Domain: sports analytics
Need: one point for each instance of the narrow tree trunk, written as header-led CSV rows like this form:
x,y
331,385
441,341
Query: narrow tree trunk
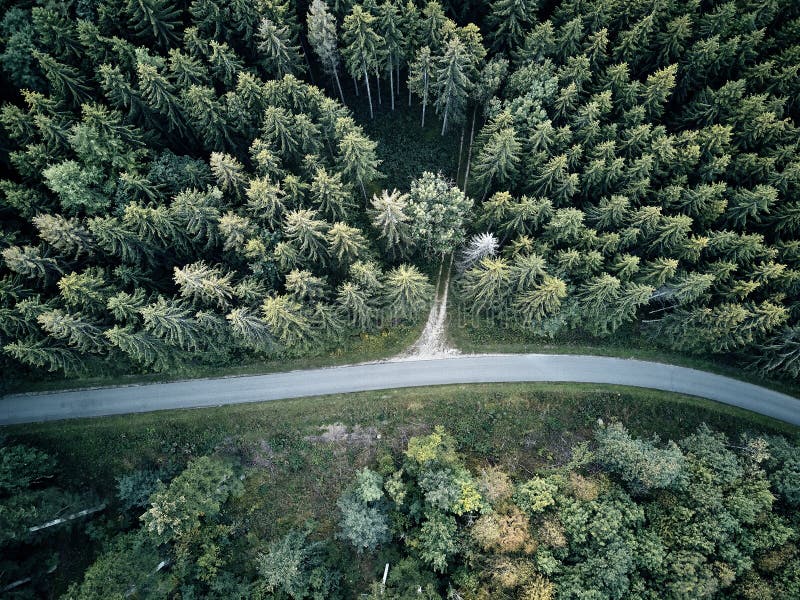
x,y
355,85
469,152
391,83
68,518
378,83
424,99
460,150
338,85
398,77
363,191
369,95
444,119
308,63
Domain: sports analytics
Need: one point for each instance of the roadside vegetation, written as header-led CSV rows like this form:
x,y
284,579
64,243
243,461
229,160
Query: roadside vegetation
x,y
297,458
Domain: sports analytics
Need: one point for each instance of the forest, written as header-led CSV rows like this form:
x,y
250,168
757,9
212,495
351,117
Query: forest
x,y
202,184
178,192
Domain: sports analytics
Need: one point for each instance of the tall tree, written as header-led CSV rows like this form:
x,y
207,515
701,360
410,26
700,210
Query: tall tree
x,y
362,45
324,40
420,73
452,83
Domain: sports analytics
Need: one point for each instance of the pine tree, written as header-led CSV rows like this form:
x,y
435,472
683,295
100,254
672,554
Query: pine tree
x,y
236,231
389,22
141,347
452,83
407,292
207,117
302,228
323,39
228,172
29,261
203,284
331,196
249,328
304,285
358,160
498,159
362,44
487,286
172,322
154,20
266,201
508,20
73,329
87,290
346,243
420,72
542,301
388,215
68,236
280,56
38,353
356,306
225,63
287,321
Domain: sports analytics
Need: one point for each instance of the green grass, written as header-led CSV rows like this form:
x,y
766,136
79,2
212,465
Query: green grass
x,y
355,349
406,148
291,477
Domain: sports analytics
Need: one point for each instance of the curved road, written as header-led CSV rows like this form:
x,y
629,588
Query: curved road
x,y
24,408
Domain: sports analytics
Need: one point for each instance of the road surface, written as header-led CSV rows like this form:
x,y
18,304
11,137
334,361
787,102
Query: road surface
x,y
24,408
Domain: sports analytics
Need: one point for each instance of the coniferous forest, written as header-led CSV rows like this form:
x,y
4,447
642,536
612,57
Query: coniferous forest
x,y
192,184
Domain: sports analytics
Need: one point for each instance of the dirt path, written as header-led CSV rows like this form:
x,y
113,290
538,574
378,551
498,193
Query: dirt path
x,y
433,343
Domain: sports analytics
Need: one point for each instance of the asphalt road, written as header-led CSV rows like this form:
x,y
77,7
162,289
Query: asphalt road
x,y
25,408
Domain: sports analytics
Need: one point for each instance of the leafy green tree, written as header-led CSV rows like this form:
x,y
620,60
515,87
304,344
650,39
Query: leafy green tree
x,y
363,524
293,568
436,210
641,464
177,510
